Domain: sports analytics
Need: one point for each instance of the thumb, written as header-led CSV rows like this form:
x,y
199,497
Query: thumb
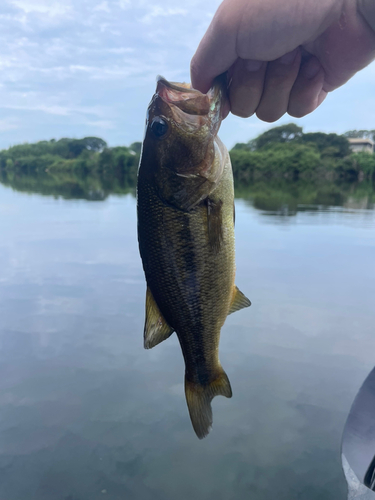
x,y
216,52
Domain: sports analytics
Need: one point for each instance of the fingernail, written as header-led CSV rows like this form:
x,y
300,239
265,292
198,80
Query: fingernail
x,y
288,58
312,68
252,65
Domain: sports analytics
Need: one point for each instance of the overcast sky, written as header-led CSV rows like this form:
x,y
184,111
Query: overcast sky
x,y
88,67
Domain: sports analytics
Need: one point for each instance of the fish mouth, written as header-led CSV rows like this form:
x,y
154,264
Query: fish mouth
x,y
190,106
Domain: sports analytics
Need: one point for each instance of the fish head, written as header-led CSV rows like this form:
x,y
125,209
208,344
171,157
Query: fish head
x,y
181,151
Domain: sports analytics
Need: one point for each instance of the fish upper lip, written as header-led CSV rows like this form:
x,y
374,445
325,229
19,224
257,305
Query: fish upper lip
x,y
175,86
216,94
218,84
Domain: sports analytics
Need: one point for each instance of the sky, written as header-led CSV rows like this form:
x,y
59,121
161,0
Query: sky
x,y
88,68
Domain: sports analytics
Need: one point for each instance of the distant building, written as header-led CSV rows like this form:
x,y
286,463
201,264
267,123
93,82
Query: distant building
x,y
357,145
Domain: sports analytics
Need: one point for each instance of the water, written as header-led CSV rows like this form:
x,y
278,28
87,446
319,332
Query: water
x,y
87,413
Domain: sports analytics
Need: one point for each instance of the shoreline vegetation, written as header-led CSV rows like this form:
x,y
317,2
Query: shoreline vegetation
x,y
281,167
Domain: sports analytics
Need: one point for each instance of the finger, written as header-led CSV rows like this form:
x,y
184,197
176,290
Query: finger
x,y
209,61
246,87
307,92
225,110
280,77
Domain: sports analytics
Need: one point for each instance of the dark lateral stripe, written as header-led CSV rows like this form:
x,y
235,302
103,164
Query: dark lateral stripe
x,y
192,343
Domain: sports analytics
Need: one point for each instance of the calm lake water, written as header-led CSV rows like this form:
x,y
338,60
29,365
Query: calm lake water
x,y
87,413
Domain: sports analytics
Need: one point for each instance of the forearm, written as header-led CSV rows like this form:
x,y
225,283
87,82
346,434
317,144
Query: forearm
x,y
367,9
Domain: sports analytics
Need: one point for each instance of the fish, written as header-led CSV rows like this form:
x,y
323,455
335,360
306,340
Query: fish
x,y
185,209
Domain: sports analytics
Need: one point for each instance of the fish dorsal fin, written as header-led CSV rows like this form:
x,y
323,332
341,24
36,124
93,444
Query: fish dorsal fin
x,y
156,328
239,301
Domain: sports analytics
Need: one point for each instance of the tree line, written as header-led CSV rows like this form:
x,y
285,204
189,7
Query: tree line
x,y
287,152
89,166
73,168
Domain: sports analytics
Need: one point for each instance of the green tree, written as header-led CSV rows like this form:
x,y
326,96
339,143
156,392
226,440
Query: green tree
x,y
283,133
94,144
136,147
328,144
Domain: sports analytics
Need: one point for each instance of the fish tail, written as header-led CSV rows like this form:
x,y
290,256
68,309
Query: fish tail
x,y
199,397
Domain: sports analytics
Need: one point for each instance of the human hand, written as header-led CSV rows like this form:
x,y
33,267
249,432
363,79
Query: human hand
x,y
284,56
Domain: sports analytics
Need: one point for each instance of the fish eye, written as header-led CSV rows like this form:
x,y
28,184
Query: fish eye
x,y
159,126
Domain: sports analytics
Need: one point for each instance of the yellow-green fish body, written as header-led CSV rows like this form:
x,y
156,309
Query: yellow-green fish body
x,y
186,237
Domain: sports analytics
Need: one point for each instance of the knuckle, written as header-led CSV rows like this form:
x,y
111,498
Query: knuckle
x,y
280,83
241,106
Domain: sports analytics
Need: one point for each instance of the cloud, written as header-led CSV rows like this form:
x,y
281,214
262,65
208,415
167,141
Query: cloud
x,y
51,8
101,124
53,110
127,69
58,110
158,11
8,124
120,50
124,4
102,7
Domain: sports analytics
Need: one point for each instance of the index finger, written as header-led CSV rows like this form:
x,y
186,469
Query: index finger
x,y
216,52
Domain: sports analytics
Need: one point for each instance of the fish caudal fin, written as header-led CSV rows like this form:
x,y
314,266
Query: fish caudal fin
x,y
199,397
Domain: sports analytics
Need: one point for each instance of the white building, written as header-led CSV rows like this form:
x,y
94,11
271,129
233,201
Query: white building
x,y
357,145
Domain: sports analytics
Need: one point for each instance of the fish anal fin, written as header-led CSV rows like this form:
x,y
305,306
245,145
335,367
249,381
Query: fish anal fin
x,y
199,397
156,328
214,224
239,301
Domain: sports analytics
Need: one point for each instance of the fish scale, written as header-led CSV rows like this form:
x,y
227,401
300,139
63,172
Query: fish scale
x,y
181,271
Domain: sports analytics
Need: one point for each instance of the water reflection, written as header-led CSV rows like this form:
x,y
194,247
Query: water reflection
x,y
280,197
69,185
287,198
87,413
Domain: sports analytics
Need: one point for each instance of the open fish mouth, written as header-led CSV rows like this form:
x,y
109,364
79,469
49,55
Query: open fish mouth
x,y
188,104
192,101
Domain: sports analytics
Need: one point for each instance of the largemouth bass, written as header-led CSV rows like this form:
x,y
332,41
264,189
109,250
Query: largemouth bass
x,y
186,236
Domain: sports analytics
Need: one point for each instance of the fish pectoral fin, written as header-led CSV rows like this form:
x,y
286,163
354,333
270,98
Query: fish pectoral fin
x,y
239,301
215,224
156,328
192,193
199,397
